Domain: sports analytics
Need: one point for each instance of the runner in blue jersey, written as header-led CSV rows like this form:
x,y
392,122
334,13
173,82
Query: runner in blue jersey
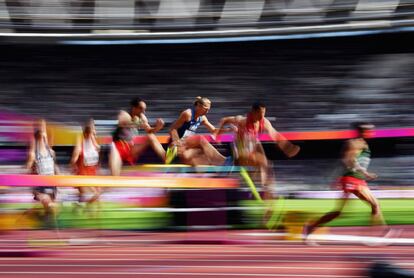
x,y
191,148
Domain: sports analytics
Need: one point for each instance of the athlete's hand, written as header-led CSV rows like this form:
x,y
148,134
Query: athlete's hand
x,y
233,128
371,176
291,150
159,124
216,136
176,143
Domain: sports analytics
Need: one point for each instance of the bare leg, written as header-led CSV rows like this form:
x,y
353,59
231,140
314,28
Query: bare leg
x,y
96,196
263,165
259,160
156,146
152,142
193,157
50,209
82,191
215,157
138,149
46,202
376,214
211,153
95,191
377,219
115,161
330,215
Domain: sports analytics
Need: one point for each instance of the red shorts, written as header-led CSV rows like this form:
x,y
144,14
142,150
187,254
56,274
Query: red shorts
x,y
351,184
86,170
125,151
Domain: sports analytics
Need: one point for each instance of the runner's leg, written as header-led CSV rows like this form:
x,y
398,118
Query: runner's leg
x,y
328,217
156,146
213,156
115,161
366,195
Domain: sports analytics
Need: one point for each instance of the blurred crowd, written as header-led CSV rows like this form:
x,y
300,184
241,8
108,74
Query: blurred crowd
x,y
304,89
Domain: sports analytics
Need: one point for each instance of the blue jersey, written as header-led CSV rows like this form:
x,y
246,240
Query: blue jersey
x,y
189,128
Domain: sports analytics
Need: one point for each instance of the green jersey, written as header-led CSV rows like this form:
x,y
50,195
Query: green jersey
x,y
363,159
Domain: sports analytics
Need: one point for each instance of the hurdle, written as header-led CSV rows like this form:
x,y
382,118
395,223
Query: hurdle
x,y
163,181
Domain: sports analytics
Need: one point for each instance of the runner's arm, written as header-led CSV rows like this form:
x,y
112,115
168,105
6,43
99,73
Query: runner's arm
x,y
30,157
232,120
125,120
211,128
159,124
289,149
350,159
76,152
184,117
94,141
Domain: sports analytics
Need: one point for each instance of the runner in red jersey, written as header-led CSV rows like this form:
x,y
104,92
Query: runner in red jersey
x,y
85,160
123,148
247,149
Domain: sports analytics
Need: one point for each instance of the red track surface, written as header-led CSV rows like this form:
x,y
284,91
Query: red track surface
x,y
223,254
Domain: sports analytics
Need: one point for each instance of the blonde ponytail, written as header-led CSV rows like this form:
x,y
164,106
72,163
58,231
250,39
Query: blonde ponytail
x,y
202,100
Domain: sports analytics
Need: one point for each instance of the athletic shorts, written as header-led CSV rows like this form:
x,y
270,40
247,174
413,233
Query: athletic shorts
x,y
125,151
351,184
87,170
49,190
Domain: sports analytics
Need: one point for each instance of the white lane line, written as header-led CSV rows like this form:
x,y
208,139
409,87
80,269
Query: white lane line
x,y
182,266
298,245
363,239
172,273
237,242
228,254
403,262
310,256
246,249
344,238
157,255
89,240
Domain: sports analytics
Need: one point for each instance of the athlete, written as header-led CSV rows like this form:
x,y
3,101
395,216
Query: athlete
x,y
41,161
85,160
247,149
191,148
123,148
356,158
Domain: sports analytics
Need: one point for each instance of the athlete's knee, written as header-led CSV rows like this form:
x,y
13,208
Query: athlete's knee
x,y
45,200
375,208
151,137
202,141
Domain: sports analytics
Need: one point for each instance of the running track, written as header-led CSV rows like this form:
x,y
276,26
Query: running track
x,y
188,254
